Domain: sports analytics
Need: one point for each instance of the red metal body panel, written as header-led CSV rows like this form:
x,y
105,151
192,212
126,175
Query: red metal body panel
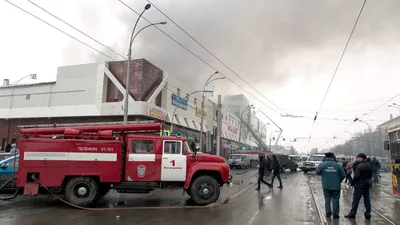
x,y
153,168
79,160
95,128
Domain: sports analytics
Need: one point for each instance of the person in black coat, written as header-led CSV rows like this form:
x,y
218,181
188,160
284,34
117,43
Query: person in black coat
x,y
276,169
362,184
261,172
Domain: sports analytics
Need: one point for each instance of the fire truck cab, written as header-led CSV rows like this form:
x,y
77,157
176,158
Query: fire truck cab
x,y
85,162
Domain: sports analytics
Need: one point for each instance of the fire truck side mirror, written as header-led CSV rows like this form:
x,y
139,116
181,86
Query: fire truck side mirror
x,y
386,145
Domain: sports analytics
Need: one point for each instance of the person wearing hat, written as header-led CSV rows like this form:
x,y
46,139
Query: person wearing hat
x,y
332,176
361,183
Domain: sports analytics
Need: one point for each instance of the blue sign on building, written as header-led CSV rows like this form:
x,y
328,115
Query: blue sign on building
x,y
179,101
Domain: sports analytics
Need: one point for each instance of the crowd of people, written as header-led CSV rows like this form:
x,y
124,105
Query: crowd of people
x,y
366,172
360,175
269,165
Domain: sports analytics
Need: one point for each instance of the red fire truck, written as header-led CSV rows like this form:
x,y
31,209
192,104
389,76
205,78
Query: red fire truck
x,y
85,162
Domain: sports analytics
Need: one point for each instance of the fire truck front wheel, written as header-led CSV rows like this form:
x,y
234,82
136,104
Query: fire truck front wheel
x,y
205,190
82,191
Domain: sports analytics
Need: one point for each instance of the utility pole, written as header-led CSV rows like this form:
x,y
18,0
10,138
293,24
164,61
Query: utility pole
x,y
219,125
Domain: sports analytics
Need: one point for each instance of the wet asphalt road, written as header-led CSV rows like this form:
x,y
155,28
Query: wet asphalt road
x,y
291,205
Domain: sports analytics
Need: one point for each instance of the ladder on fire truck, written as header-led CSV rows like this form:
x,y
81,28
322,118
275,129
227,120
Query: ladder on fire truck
x,y
259,140
83,124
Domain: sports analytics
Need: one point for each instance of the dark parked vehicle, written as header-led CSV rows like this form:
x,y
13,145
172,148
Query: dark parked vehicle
x,y
287,163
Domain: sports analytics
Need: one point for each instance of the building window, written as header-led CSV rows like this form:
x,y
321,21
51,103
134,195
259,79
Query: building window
x,y
28,97
178,92
142,146
172,147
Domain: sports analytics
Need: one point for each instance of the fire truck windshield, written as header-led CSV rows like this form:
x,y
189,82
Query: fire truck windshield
x,y
186,147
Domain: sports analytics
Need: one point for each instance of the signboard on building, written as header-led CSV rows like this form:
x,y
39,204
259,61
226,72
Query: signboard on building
x,y
232,129
157,112
198,112
179,101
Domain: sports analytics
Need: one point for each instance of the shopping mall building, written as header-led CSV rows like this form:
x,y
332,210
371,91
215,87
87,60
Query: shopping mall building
x,y
95,93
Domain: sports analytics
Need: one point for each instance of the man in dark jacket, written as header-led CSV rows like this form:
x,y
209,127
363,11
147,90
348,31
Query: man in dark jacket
x,y
276,170
361,183
332,176
376,166
261,172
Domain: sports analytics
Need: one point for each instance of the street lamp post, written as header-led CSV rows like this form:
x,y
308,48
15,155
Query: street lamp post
x,y
339,139
176,107
209,80
280,129
240,124
270,138
370,133
266,130
32,76
394,105
128,79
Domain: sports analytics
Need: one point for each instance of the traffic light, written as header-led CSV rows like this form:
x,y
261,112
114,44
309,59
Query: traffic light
x,y
295,140
243,147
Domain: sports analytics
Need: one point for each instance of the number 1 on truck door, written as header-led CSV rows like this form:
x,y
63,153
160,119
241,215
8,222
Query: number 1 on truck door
x,y
173,163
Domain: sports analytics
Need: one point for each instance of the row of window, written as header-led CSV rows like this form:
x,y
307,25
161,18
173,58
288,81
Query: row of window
x,y
143,147
230,121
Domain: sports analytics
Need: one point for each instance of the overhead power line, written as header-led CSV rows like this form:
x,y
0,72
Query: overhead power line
x,y
374,109
341,57
195,55
339,63
215,57
51,25
112,50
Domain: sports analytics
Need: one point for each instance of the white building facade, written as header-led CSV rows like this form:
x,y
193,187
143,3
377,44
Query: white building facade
x,y
94,93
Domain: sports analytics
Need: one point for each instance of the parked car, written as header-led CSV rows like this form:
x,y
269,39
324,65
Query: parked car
x,y
287,163
239,161
312,163
8,168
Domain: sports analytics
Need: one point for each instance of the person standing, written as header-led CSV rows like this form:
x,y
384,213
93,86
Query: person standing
x,y
261,173
276,170
361,183
332,176
348,171
375,169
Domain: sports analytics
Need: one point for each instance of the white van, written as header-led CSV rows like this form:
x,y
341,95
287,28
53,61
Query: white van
x,y
239,161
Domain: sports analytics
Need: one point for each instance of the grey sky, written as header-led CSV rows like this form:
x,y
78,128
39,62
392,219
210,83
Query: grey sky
x,y
287,49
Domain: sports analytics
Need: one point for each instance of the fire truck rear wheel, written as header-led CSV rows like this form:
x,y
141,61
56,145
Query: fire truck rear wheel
x,y
205,190
82,191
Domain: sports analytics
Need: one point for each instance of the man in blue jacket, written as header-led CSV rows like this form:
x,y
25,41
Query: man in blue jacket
x,y
332,176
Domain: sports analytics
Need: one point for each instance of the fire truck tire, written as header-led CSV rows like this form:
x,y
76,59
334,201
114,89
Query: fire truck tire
x,y
82,191
205,190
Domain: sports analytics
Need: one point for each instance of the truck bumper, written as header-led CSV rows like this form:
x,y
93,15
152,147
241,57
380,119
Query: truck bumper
x,y
230,181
